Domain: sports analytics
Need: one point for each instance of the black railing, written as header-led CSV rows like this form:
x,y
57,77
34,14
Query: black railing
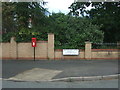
x,y
104,46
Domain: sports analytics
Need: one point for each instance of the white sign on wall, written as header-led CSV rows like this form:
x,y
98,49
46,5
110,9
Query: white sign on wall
x,y
70,51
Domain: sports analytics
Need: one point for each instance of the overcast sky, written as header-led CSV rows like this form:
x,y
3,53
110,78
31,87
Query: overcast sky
x,y
59,5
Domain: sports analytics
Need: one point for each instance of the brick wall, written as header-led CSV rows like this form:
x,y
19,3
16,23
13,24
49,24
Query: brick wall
x,y
45,50
105,53
59,55
95,54
5,49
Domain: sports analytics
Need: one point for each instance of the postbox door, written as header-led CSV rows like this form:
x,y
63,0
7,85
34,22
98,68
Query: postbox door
x,y
33,42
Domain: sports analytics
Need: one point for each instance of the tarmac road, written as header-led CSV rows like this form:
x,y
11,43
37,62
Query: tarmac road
x,y
69,68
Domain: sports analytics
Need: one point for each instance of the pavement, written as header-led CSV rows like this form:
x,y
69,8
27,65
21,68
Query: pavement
x,y
59,70
106,84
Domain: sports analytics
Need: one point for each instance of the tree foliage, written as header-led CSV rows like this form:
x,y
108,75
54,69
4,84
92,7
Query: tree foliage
x,y
7,16
17,16
71,31
105,14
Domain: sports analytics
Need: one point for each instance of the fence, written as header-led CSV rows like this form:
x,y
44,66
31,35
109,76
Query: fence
x,y
105,45
45,50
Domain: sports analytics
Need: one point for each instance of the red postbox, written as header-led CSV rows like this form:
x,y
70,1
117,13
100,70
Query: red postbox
x,y
33,42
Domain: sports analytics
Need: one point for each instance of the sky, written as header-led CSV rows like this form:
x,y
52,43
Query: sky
x,y
59,5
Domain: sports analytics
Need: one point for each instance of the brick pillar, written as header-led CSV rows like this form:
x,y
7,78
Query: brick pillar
x,y
50,46
13,48
88,52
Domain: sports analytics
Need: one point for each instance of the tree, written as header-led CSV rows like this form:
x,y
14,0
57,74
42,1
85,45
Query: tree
x,y
105,14
71,31
8,17
17,16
